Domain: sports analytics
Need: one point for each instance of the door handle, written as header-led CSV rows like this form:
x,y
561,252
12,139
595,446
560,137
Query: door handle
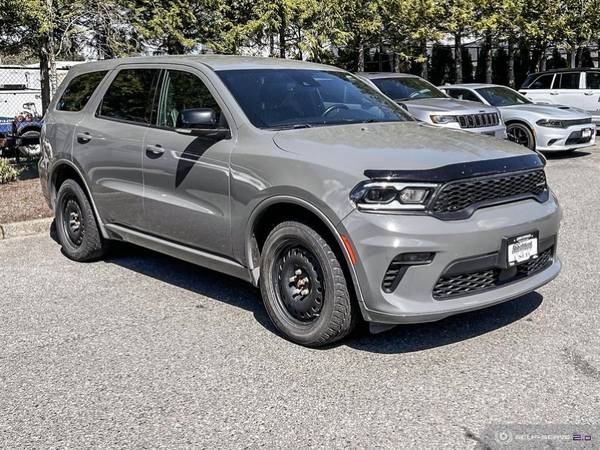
x,y
588,93
553,93
84,138
154,151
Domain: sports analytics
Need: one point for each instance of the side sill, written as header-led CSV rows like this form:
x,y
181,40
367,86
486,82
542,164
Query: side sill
x,y
179,251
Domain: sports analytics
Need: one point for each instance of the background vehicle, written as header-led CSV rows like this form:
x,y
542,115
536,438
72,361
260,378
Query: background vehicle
x,y
21,134
578,88
538,127
428,104
301,179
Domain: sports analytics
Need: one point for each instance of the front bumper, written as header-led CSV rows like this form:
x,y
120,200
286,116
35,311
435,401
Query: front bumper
x,y
560,139
378,238
498,131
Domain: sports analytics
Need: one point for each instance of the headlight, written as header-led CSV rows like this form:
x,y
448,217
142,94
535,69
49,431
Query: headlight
x,y
443,119
551,123
392,196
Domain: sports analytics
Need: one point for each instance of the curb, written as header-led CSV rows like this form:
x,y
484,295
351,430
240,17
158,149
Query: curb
x,y
27,228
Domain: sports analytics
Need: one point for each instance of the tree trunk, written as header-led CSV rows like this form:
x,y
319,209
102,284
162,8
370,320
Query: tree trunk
x,y
424,68
543,60
511,64
271,45
396,62
44,75
360,63
282,31
571,57
578,57
488,58
458,57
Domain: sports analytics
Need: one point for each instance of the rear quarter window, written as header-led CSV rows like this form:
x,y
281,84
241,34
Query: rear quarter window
x,y
79,90
542,82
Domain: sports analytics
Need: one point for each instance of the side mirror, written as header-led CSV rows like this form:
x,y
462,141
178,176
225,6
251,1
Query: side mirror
x,y
200,122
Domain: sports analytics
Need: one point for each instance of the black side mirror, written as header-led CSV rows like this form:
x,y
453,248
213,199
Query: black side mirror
x,y
200,122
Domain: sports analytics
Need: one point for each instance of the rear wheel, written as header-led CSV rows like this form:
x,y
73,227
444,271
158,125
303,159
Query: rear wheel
x,y
521,134
303,286
76,225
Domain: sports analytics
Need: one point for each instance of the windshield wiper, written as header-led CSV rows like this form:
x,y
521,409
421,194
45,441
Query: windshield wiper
x,y
295,126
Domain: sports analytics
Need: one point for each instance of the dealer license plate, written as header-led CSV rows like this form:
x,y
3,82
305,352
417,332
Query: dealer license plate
x,y
522,248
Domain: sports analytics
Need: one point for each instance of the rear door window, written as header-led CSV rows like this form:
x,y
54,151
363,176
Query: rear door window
x,y
130,96
79,90
542,82
569,80
592,80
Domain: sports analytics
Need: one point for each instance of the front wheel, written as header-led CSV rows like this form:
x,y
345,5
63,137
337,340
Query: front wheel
x,y
521,134
303,286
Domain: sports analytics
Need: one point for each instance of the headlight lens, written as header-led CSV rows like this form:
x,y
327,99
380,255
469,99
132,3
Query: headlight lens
x,y
392,196
443,119
551,123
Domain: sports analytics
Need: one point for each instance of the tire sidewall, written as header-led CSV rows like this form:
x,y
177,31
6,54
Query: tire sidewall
x,y
90,245
303,236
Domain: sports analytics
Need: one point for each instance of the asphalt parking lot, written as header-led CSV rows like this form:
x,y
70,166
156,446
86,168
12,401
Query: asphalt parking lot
x,y
141,350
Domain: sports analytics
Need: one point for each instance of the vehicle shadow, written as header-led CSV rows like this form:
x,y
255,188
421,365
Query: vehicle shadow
x,y
191,277
566,155
238,293
414,338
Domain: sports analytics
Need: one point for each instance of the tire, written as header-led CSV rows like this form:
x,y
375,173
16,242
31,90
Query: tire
x,y
521,134
30,150
303,286
76,226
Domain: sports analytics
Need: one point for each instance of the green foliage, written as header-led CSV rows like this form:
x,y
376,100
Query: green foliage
x,y
7,172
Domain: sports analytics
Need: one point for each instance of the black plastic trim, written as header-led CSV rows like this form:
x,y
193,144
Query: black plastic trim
x,y
459,171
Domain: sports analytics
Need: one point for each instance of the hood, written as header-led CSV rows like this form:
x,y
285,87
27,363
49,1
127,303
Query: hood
x,y
449,105
393,145
549,110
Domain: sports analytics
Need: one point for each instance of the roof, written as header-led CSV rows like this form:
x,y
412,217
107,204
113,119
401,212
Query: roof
x,y
574,69
470,85
214,62
375,75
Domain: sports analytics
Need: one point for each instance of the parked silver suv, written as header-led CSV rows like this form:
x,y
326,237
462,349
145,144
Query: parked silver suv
x,y
300,179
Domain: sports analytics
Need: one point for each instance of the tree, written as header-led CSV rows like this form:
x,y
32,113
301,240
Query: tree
x,y
459,21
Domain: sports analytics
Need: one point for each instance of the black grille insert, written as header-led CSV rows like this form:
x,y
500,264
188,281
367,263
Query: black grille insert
x,y
460,195
475,282
478,120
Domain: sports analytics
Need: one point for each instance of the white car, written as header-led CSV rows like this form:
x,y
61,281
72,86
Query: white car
x,y
541,127
579,88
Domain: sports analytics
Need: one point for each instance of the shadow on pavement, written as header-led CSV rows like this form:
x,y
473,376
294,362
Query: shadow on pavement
x,y
566,155
413,338
194,278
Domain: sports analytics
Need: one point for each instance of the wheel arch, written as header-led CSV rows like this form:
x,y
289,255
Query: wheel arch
x,y
281,208
530,127
27,128
63,170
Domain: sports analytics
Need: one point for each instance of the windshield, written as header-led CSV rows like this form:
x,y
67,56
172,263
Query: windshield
x,y
502,96
401,89
297,98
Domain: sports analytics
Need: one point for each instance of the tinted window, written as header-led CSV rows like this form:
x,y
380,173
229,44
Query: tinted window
x,y
79,91
502,96
183,90
542,82
567,81
130,95
289,98
463,94
592,80
407,88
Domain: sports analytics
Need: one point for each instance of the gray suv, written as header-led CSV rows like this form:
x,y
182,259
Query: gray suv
x,y
298,178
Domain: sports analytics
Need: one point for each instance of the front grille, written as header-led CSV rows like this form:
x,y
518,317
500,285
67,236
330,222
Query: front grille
x,y
478,120
476,282
460,195
570,123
